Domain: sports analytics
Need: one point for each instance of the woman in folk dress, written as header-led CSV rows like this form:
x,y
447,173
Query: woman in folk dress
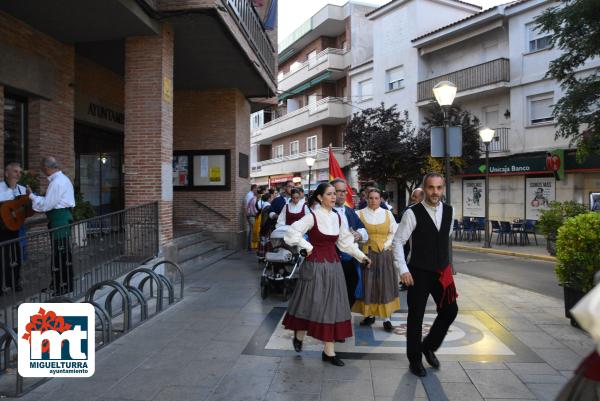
x,y
294,210
319,305
380,280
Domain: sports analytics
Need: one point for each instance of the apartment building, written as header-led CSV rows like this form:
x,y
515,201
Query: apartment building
x,y
499,61
139,101
314,98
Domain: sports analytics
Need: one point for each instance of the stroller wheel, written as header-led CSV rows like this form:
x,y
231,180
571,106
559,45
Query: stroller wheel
x,y
264,288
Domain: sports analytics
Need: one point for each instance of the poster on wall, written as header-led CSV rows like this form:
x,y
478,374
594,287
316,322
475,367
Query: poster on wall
x,y
209,170
474,198
595,201
539,192
180,170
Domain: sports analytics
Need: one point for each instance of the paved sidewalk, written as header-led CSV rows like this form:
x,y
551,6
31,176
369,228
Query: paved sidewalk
x,y
214,346
530,251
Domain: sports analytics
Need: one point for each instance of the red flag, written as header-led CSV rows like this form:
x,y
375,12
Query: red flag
x,y
335,171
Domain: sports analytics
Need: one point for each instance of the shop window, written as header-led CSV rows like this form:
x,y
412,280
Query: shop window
x,y
15,130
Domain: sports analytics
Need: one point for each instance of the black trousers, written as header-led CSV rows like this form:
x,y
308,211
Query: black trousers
x,y
426,283
10,274
351,280
62,265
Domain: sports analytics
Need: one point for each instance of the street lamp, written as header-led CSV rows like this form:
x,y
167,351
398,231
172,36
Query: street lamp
x,y
487,135
310,161
444,93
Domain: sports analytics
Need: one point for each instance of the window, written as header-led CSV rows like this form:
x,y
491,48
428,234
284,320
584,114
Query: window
x,y
490,116
312,99
537,40
277,152
394,78
540,108
257,120
294,148
365,89
311,144
15,130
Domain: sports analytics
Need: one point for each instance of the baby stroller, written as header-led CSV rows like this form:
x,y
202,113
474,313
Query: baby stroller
x,y
281,266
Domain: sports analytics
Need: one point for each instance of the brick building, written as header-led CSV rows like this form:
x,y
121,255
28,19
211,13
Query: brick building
x,y
140,101
314,100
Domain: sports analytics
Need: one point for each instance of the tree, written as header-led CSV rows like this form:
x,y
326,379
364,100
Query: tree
x,y
574,27
384,145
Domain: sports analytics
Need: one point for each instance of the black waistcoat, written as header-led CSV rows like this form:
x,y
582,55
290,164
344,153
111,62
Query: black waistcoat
x,y
430,246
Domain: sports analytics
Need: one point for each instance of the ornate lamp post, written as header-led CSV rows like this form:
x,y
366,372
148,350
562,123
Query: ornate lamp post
x,y
487,135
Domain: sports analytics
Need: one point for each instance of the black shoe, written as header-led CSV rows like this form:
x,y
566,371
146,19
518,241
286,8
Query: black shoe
x,y
334,360
387,326
431,359
297,343
368,321
417,369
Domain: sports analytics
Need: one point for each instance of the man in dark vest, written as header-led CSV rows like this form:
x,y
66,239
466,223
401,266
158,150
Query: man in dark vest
x,y
429,223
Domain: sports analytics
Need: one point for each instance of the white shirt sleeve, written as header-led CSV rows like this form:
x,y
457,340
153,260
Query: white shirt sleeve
x,y
405,229
345,243
295,233
281,218
392,231
364,235
50,201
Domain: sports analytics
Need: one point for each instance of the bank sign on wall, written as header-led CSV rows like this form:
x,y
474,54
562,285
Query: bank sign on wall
x,y
474,198
539,192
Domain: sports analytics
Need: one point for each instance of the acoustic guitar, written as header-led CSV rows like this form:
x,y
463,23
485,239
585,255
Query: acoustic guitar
x,y
14,212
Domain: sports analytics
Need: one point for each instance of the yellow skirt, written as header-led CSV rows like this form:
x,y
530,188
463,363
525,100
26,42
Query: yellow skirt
x,y
256,231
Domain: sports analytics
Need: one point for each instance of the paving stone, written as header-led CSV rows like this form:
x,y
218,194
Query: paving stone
x,y
458,392
561,359
242,388
540,379
183,393
498,383
450,372
296,383
545,392
256,365
355,369
483,365
517,323
347,390
399,384
520,368
274,396
537,339
141,384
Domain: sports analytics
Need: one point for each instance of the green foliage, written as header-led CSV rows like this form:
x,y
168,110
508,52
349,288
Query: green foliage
x,y
384,145
553,218
83,209
30,178
575,29
578,251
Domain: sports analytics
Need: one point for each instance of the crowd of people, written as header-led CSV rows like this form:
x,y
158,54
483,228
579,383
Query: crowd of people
x,y
357,258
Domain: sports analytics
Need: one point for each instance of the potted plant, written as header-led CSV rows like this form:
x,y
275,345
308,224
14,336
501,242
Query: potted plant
x,y
552,219
83,210
578,255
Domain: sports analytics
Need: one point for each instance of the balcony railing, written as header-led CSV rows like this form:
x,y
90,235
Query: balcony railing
x,y
500,142
318,154
312,62
469,78
252,26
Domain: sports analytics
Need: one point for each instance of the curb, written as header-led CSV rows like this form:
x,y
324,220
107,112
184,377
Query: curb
x,y
545,258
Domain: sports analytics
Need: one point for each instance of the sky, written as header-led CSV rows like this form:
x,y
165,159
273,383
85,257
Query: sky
x,y
292,13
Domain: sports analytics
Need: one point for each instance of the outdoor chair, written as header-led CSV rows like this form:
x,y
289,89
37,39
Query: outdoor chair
x,y
468,229
495,230
479,226
507,235
529,228
457,229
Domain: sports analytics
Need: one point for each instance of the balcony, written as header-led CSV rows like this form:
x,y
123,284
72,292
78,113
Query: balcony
x,y
297,163
328,111
250,23
500,142
481,77
334,61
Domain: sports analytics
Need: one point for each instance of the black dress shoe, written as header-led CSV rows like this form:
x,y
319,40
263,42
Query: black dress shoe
x,y
387,326
417,369
368,321
297,343
431,359
334,360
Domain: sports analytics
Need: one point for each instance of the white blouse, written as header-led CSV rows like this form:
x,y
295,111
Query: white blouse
x,y
292,208
377,216
329,224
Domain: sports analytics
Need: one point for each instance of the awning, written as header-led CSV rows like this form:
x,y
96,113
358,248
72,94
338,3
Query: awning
x,y
303,87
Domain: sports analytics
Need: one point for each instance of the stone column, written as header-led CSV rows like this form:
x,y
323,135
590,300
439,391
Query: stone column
x,y
149,125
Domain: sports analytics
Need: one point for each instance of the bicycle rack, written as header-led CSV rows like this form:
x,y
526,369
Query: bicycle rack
x,y
126,305
105,322
150,275
8,337
177,269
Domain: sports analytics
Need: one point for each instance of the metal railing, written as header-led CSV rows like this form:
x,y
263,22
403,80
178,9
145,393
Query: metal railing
x,y
312,62
66,262
250,23
500,142
469,78
318,154
311,108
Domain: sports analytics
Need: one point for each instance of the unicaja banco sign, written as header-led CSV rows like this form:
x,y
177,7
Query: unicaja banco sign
x,y
56,340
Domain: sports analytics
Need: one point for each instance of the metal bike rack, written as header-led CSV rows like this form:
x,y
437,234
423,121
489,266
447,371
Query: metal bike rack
x,y
151,275
105,322
126,305
141,301
8,337
177,269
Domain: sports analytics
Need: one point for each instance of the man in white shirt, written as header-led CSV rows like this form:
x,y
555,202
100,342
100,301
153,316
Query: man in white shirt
x,y
250,213
57,204
11,260
429,224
